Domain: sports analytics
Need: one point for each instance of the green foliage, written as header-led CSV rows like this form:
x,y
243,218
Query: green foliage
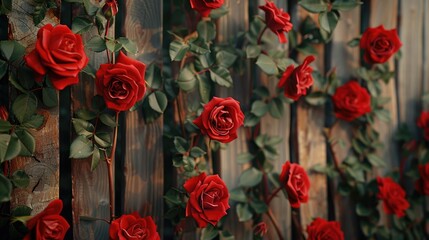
x,y
5,188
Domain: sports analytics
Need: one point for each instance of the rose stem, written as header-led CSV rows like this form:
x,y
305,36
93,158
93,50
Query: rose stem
x,y
110,162
273,195
105,36
261,34
275,224
331,149
297,224
179,111
209,154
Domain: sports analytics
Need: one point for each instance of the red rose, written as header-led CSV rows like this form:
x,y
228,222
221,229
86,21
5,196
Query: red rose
x,y
132,226
393,196
59,53
423,123
121,84
260,229
379,44
422,184
110,8
321,229
204,7
296,81
351,101
220,119
277,20
208,199
4,114
296,181
48,224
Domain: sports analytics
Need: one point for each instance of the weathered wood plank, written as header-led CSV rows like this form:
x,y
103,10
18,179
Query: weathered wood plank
x,y
44,174
144,163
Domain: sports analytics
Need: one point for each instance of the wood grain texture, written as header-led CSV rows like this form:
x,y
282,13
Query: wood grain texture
x,y
89,188
44,174
236,21
312,145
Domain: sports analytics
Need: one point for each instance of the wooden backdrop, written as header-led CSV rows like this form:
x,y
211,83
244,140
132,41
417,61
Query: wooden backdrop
x,y
141,167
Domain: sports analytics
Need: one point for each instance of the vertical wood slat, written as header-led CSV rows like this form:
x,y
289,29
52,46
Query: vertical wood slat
x,y
44,175
345,60
237,20
144,174
90,189
312,146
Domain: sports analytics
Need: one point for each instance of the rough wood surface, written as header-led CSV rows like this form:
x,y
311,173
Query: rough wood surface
x,y
44,175
90,188
143,170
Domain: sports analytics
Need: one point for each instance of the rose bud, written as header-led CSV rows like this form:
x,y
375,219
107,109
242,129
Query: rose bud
x,y
260,229
379,44
110,9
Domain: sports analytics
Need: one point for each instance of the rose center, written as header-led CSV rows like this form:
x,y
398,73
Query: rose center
x,y
136,232
118,89
298,181
68,45
210,199
221,120
52,229
381,45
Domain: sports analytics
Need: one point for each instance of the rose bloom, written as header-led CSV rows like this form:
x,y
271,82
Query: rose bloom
x,y
277,20
59,53
351,101
208,199
4,114
204,7
296,81
220,119
379,44
423,123
297,184
422,184
48,224
393,196
132,226
121,84
321,229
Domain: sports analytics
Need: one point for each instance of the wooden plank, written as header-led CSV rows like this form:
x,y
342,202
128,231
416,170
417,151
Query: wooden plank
x,y
44,174
144,163
345,59
90,189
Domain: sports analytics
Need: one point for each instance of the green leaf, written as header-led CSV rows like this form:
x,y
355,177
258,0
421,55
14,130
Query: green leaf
x,y
345,5
90,8
251,120
261,91
243,212
253,51
197,152
250,177
206,30
354,42
383,115
328,21
113,45
96,44
35,121
187,79
316,98
209,232
50,97
204,88
259,206
153,77
81,148
158,101
81,25
181,144
12,50
225,58
20,179
5,126
5,188
178,50
237,195
246,157
96,156
259,108
5,6
221,76
276,108
219,12
3,68
103,139
13,148
28,143
363,210
21,210
24,107
39,12
128,45
375,160
89,70
267,65
314,6
198,47
86,114
108,120
82,127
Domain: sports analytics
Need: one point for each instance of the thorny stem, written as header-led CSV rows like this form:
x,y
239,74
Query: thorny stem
x,y
275,224
328,135
110,163
298,226
261,34
105,36
209,154
277,190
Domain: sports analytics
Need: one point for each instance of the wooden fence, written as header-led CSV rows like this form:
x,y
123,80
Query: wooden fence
x,y
142,174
